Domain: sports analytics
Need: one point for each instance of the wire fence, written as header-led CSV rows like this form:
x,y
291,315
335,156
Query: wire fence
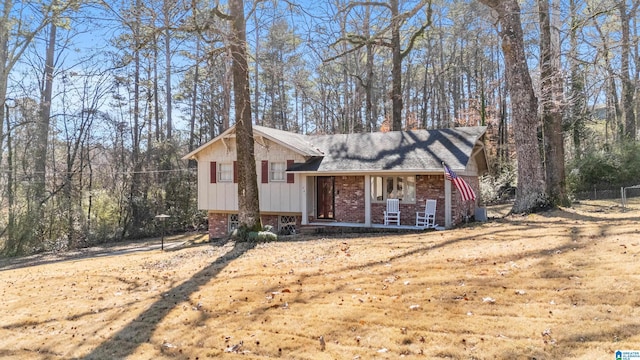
x,y
607,194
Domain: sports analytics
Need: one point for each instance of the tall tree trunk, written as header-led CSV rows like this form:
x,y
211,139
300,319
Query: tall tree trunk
x,y
636,45
551,101
256,73
156,91
614,113
396,71
248,199
5,65
10,243
628,88
167,57
226,91
531,194
11,51
42,126
368,84
194,101
132,226
577,96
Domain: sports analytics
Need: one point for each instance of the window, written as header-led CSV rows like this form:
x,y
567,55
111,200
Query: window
x,y
233,222
287,225
377,193
225,172
393,187
277,171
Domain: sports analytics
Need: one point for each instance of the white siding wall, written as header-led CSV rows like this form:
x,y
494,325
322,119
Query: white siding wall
x,y
279,197
222,196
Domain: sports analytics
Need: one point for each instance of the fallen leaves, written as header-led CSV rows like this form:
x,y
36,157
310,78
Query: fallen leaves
x,y
401,295
235,348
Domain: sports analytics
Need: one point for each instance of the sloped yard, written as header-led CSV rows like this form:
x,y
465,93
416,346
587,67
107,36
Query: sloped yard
x,y
556,285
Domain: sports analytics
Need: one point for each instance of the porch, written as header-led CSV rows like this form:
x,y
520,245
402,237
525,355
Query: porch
x,y
336,226
359,201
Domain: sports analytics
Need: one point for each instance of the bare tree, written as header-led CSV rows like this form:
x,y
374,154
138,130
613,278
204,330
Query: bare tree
x,y
248,200
389,36
628,88
16,35
531,193
551,100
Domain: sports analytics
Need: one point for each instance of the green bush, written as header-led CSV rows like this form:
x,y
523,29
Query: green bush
x,y
242,234
605,168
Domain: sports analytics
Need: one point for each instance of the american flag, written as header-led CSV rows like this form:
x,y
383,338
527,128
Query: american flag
x,y
466,192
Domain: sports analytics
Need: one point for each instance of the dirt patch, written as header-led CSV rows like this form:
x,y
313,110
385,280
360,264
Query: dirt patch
x,y
555,285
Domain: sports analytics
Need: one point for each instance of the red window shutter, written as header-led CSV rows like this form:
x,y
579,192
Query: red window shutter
x,y
265,171
235,171
213,168
290,176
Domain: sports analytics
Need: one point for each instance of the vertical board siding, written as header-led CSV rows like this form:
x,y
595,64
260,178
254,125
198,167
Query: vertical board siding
x,y
282,196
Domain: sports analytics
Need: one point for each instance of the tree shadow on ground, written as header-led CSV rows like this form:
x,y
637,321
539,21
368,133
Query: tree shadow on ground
x,y
103,250
140,330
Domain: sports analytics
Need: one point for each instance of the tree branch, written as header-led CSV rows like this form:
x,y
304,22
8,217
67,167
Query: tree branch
x,y
418,33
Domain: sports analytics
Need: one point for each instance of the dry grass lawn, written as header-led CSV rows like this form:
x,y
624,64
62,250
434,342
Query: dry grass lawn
x,y
555,285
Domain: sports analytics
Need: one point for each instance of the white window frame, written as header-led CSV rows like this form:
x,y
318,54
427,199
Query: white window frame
x,y
386,187
225,172
275,174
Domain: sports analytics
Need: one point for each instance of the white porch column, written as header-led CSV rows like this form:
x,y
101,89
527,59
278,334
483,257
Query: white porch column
x,y
303,200
447,204
367,200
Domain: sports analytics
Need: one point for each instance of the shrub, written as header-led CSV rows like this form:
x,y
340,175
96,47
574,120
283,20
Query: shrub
x,y
243,234
605,168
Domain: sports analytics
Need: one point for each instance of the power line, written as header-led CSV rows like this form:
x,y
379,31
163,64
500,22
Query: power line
x,y
5,171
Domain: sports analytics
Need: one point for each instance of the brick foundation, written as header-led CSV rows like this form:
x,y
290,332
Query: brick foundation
x,y
350,200
219,224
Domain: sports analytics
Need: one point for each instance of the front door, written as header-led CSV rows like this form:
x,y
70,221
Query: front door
x,y
326,197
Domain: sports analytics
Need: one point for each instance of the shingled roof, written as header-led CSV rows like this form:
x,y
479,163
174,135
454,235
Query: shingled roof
x,y
395,151
402,151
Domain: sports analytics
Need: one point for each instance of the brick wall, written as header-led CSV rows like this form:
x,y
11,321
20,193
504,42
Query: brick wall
x,y
349,197
218,224
218,227
351,205
270,220
460,209
427,187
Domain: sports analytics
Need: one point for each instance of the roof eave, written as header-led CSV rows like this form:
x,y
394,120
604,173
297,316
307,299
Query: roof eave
x,y
192,154
281,143
372,172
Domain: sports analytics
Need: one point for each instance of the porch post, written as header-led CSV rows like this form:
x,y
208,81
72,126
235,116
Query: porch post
x,y
367,200
447,203
303,200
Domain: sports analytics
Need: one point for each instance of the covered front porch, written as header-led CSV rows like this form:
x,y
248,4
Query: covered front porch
x,y
377,227
346,200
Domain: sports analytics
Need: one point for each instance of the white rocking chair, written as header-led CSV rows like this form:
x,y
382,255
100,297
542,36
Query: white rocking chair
x,y
427,218
392,214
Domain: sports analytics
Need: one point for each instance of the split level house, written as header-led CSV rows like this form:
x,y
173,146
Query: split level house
x,y
342,179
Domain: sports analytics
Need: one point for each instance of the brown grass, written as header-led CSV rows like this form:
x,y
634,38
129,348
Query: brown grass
x,y
556,285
